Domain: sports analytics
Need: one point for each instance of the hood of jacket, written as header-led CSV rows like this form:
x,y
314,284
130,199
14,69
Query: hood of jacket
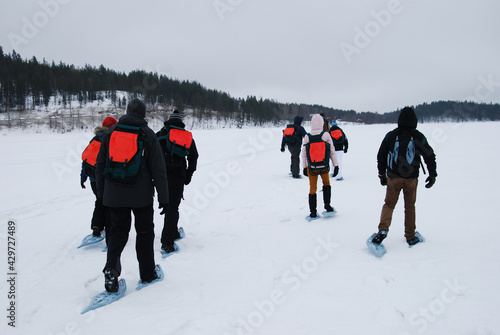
x,y
132,120
298,120
407,118
317,123
174,122
100,130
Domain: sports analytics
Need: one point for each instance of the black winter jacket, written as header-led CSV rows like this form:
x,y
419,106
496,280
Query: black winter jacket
x,y
152,175
407,127
177,167
339,146
300,132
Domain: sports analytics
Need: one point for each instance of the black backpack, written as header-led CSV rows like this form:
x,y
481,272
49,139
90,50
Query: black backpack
x,y
290,134
318,154
125,154
176,144
89,156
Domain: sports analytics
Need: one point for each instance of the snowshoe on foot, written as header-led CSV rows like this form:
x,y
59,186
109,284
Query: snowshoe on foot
x,y
379,237
416,239
168,249
111,280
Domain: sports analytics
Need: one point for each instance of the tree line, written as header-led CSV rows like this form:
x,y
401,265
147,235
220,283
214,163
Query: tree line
x,y
25,84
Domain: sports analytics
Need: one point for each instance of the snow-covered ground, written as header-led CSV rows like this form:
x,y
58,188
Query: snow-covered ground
x,y
250,262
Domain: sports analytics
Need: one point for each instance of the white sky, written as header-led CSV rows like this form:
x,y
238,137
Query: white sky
x,y
366,55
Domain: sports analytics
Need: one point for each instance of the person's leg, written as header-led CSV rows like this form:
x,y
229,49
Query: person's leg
x,y
144,244
410,197
118,236
170,230
100,212
295,161
394,186
327,191
313,186
340,155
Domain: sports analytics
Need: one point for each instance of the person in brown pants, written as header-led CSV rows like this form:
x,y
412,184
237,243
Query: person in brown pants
x,y
398,168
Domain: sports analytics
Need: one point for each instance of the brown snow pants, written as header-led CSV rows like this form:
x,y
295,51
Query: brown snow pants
x,y
394,187
313,181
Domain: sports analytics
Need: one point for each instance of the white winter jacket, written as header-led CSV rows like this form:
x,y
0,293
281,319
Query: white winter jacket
x,y
316,129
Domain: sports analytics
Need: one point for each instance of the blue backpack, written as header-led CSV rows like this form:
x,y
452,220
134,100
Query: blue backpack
x,y
402,156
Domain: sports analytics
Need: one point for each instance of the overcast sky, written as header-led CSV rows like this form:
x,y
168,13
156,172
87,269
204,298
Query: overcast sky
x,y
366,55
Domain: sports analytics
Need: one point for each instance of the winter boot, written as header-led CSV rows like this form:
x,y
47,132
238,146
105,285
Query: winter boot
x,y
312,205
327,195
381,235
111,280
168,247
413,241
96,231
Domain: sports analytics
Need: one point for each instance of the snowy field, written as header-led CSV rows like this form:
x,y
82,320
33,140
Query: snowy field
x,y
250,262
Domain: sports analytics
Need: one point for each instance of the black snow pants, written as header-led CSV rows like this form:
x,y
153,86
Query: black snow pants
x,y
121,219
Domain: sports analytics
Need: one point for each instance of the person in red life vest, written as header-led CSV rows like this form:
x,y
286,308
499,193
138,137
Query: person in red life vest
x,y
341,145
292,138
180,165
129,167
319,150
100,217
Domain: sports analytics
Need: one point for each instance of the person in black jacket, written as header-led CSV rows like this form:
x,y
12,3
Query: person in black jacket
x,y
179,173
137,197
295,146
100,217
399,169
341,145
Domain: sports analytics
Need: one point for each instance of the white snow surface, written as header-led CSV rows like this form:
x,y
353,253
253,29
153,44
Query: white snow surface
x,y
250,262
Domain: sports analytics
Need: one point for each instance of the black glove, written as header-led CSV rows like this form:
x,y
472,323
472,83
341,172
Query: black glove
x,y
305,171
430,181
82,184
345,150
189,175
335,171
163,207
282,149
383,179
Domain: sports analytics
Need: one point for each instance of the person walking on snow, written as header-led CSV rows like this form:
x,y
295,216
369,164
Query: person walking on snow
x,y
341,145
317,135
100,217
294,146
124,197
179,174
398,168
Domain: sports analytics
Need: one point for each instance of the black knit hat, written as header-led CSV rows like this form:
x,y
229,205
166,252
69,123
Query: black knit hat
x,y
175,115
407,118
137,108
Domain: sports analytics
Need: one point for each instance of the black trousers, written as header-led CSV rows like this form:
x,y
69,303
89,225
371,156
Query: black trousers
x,y
121,220
170,230
100,217
294,161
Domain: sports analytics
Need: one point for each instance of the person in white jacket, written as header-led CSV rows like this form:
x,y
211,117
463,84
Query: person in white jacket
x,y
313,172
